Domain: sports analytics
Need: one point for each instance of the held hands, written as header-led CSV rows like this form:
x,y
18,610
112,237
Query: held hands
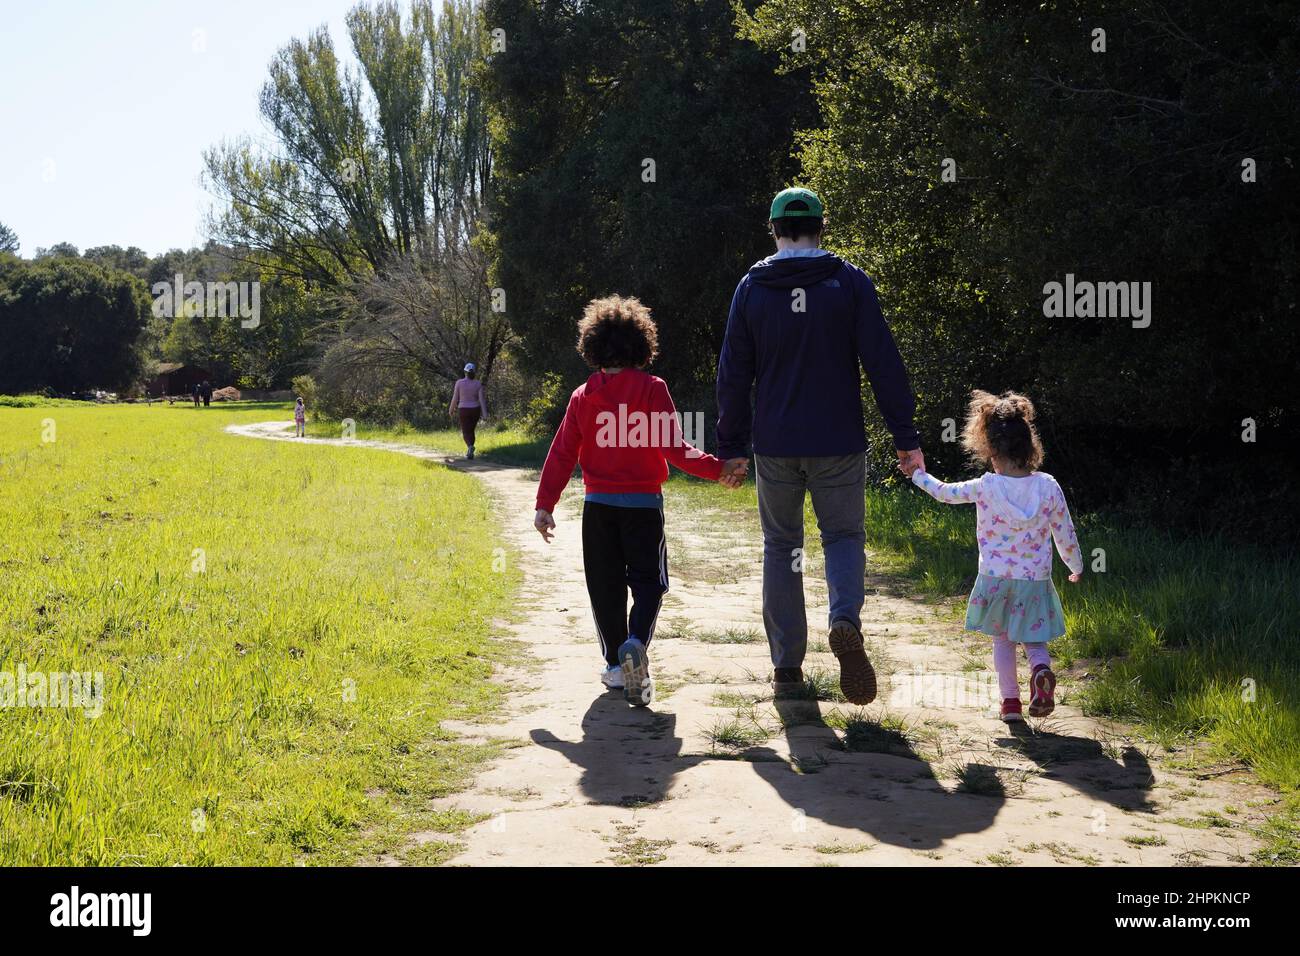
x,y
911,461
544,524
733,472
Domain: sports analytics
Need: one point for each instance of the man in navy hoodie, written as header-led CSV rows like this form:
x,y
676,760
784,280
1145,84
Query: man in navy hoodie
x,y
800,322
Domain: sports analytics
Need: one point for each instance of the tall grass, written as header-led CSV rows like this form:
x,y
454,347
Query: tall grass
x,y
281,631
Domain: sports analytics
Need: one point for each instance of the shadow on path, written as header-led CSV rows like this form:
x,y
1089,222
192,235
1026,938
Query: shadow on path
x,y
872,781
628,755
1082,763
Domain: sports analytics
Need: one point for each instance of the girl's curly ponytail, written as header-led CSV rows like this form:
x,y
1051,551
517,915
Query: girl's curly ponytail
x,y
1002,426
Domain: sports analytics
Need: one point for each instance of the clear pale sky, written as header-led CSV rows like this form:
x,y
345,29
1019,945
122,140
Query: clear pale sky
x,y
115,96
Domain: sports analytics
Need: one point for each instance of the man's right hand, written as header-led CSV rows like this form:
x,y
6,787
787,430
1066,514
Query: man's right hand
x,y
911,460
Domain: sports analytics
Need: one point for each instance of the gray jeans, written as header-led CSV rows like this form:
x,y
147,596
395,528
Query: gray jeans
x,y
836,485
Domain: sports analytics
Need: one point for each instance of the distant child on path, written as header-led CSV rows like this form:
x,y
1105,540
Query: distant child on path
x,y
469,401
621,426
300,418
1017,509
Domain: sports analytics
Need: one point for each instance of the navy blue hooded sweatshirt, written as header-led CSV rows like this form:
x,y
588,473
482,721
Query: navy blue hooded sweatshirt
x,y
805,364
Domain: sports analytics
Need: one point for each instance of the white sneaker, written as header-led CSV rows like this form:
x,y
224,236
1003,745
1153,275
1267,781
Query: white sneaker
x,y
638,688
612,677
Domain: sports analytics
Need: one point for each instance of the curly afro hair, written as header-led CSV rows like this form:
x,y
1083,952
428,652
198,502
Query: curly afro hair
x,y
617,332
1002,426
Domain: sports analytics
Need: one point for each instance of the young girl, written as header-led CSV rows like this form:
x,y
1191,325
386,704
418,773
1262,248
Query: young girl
x,y
622,428
470,403
300,419
1016,510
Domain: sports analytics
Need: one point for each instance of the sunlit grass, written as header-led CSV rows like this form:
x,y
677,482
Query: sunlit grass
x,y
281,630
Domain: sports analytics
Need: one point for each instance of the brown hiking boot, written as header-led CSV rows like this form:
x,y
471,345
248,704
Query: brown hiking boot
x,y
857,677
788,682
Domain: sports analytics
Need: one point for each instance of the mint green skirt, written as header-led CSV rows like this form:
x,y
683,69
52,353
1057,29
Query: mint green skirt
x,y
1025,611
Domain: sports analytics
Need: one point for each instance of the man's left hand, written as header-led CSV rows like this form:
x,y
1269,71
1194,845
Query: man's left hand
x,y
734,471
910,461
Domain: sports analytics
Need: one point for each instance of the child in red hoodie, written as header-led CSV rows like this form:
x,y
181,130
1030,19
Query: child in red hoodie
x,y
622,428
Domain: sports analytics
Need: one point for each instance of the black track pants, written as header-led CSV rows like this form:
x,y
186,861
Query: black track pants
x,y
622,549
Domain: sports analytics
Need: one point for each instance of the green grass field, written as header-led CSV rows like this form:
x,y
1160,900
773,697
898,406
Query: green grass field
x,y
280,630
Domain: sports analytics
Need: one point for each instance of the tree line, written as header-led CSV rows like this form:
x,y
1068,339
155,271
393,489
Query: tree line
x,y
78,321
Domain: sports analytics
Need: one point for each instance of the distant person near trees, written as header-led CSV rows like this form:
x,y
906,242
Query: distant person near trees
x,y
196,393
207,394
300,419
469,402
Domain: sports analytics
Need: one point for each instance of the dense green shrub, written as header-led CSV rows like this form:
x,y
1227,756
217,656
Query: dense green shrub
x,y
1122,165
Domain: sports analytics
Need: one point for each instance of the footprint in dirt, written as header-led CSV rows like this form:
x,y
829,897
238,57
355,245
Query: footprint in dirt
x,y
628,755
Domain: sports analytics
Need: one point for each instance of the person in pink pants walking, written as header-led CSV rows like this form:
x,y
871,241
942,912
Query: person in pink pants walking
x,y
469,403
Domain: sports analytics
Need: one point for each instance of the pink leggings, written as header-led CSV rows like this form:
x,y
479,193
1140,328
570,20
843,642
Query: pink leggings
x,y
1004,662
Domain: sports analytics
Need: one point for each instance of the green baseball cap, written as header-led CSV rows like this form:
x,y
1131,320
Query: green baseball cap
x,y
796,194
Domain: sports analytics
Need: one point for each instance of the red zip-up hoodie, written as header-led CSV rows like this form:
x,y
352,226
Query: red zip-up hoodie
x,y
623,430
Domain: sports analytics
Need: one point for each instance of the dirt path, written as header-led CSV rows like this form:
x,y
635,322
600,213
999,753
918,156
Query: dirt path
x,y
714,773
